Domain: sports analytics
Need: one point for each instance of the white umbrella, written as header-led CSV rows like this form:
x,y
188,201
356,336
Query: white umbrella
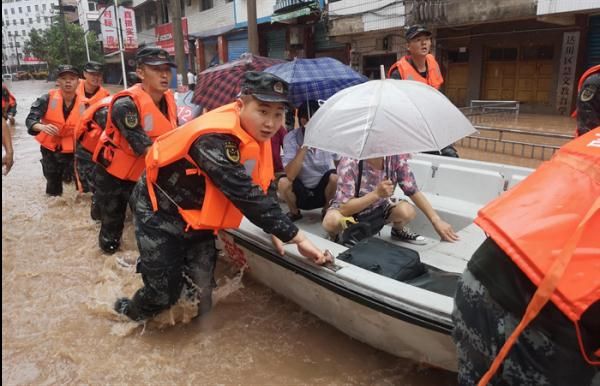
x,y
386,117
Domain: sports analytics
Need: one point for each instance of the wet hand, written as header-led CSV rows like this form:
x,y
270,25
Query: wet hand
x,y
445,231
385,189
49,129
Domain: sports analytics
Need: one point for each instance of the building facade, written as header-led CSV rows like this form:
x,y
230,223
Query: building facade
x,y
19,17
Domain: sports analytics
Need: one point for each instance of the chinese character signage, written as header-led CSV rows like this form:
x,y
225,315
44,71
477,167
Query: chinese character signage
x,y
566,74
108,26
164,36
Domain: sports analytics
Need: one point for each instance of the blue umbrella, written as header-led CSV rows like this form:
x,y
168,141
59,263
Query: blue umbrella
x,y
313,79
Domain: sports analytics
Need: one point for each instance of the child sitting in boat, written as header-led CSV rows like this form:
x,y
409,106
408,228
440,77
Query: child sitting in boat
x,y
363,193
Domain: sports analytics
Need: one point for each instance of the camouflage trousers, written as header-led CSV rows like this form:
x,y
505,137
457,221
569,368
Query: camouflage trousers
x,y
112,195
54,164
172,262
481,326
85,169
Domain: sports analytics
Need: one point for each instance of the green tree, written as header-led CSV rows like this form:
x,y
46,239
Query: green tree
x,y
48,45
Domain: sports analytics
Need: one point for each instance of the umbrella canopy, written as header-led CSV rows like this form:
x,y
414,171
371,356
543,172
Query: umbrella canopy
x,y
313,79
386,117
220,85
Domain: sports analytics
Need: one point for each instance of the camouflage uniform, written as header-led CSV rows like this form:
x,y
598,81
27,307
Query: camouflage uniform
x,y
588,104
172,258
83,158
546,353
54,163
112,193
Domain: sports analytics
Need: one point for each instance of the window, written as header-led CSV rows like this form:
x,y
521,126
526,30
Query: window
x,y
44,7
92,6
20,10
16,33
37,7
9,34
18,44
38,19
5,11
28,9
502,54
12,11
22,22
206,4
14,21
30,20
10,44
537,53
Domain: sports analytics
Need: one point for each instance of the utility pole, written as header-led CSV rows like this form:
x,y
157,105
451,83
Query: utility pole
x,y
64,25
252,27
120,40
17,52
178,37
87,48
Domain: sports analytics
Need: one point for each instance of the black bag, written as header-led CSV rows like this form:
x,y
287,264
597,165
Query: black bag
x,y
384,258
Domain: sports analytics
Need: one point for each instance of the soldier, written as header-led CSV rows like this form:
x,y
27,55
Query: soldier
x,y
90,91
419,65
136,117
588,101
529,299
52,120
87,134
202,178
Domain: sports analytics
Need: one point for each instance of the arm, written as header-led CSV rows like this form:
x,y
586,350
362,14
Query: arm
x,y
441,227
209,153
7,160
124,115
33,120
293,156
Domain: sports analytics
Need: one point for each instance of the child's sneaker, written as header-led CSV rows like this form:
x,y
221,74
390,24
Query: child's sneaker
x,y
406,235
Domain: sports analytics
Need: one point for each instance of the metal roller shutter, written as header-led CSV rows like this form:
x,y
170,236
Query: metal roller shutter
x,y
236,46
593,49
276,44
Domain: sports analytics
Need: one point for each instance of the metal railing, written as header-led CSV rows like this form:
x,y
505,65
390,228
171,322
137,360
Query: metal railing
x,y
486,112
515,142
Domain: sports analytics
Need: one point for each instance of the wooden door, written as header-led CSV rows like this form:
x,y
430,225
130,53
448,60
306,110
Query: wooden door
x,y
456,83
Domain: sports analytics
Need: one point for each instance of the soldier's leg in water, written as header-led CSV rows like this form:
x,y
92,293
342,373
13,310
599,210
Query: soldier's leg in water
x,y
199,270
68,174
52,172
112,195
161,265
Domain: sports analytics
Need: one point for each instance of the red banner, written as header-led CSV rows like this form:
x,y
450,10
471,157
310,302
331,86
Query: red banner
x,y
164,36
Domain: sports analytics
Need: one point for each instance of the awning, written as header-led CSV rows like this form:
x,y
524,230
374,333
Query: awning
x,y
211,32
304,11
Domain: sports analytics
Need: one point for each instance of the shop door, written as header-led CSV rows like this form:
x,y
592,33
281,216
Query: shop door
x,y
236,46
457,76
499,80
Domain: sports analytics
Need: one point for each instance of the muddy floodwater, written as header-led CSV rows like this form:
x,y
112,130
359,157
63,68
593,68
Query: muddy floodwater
x,y
58,326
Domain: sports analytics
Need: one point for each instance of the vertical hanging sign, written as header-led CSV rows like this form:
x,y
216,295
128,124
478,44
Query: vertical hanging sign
x,y
566,73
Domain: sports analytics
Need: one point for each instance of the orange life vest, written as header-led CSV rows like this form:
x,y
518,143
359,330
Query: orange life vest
x,y
54,115
408,72
123,162
217,211
88,132
549,225
100,93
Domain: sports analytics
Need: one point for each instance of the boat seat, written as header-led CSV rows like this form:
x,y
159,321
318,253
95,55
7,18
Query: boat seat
x,y
423,171
468,184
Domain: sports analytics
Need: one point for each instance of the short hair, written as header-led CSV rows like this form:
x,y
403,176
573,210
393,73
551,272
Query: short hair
x,y
307,109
